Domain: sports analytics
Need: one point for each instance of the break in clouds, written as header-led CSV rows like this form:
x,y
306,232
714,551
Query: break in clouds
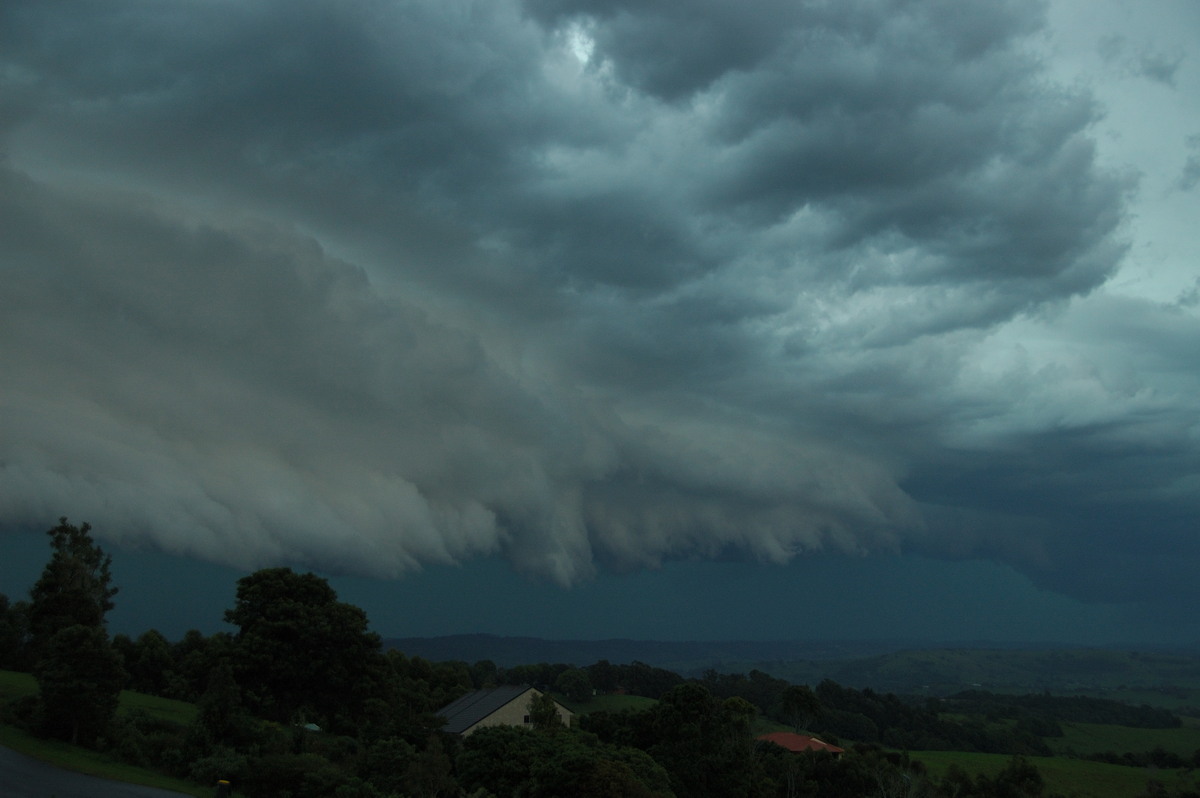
x,y
587,285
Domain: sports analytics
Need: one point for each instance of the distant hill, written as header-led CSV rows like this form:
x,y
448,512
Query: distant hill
x,y
684,657
888,666
944,671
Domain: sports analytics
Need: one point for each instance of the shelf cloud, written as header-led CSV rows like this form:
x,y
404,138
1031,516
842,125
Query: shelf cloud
x,y
589,285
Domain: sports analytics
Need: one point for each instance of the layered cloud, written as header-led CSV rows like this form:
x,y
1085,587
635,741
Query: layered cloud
x,y
587,284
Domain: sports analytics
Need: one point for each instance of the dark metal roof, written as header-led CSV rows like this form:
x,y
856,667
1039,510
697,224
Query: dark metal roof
x,y
464,713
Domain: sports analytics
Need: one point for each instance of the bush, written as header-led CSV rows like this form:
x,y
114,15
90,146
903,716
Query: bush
x,y
139,739
293,776
222,763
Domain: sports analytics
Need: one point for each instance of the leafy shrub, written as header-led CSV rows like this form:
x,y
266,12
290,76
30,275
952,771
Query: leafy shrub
x,y
222,763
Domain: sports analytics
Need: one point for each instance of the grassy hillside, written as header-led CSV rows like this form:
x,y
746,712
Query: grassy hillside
x,y
169,709
1178,699
1094,738
19,685
606,703
1078,778
14,685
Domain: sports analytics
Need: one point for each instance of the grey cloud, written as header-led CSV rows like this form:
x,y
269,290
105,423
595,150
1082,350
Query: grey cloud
x,y
672,51
1189,178
383,284
1149,63
1098,468
1191,173
237,394
1111,48
255,398
1159,67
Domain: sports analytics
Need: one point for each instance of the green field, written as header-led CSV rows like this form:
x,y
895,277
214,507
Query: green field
x,y
180,712
605,703
1075,778
1172,698
1094,738
15,685
1084,739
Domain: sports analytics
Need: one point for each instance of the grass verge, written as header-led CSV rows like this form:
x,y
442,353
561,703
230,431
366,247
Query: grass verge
x,y
92,763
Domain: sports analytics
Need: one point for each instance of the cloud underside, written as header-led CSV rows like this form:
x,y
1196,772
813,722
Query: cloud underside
x,y
585,284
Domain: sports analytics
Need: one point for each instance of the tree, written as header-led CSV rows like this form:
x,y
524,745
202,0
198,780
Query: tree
x,y
79,674
1020,778
484,673
386,762
501,759
14,634
510,760
193,659
150,664
704,743
800,706
222,719
583,768
430,774
604,676
575,684
75,588
543,713
300,655
79,682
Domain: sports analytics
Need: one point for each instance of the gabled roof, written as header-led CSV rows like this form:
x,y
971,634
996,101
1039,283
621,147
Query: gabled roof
x,y
800,742
464,713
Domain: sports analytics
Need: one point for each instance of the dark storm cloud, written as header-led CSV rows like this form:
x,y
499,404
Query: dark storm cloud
x,y
672,50
381,284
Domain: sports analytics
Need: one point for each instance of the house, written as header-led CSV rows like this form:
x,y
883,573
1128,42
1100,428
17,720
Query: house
x,y
799,743
495,706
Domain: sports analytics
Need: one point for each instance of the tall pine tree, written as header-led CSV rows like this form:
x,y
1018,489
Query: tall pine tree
x,y
79,674
75,588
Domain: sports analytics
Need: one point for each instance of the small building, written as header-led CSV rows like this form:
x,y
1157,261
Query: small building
x,y
495,706
799,743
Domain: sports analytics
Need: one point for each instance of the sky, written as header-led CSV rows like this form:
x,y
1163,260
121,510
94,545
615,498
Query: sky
x,y
600,318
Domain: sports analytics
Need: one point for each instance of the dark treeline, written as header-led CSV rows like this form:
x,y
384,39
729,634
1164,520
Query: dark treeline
x,y
636,678
1073,709
1157,757
302,700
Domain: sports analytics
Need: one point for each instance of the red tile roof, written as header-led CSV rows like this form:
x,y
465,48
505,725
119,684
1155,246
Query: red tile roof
x,y
800,742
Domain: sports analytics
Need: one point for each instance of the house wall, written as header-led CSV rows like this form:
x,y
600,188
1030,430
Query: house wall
x,y
515,712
